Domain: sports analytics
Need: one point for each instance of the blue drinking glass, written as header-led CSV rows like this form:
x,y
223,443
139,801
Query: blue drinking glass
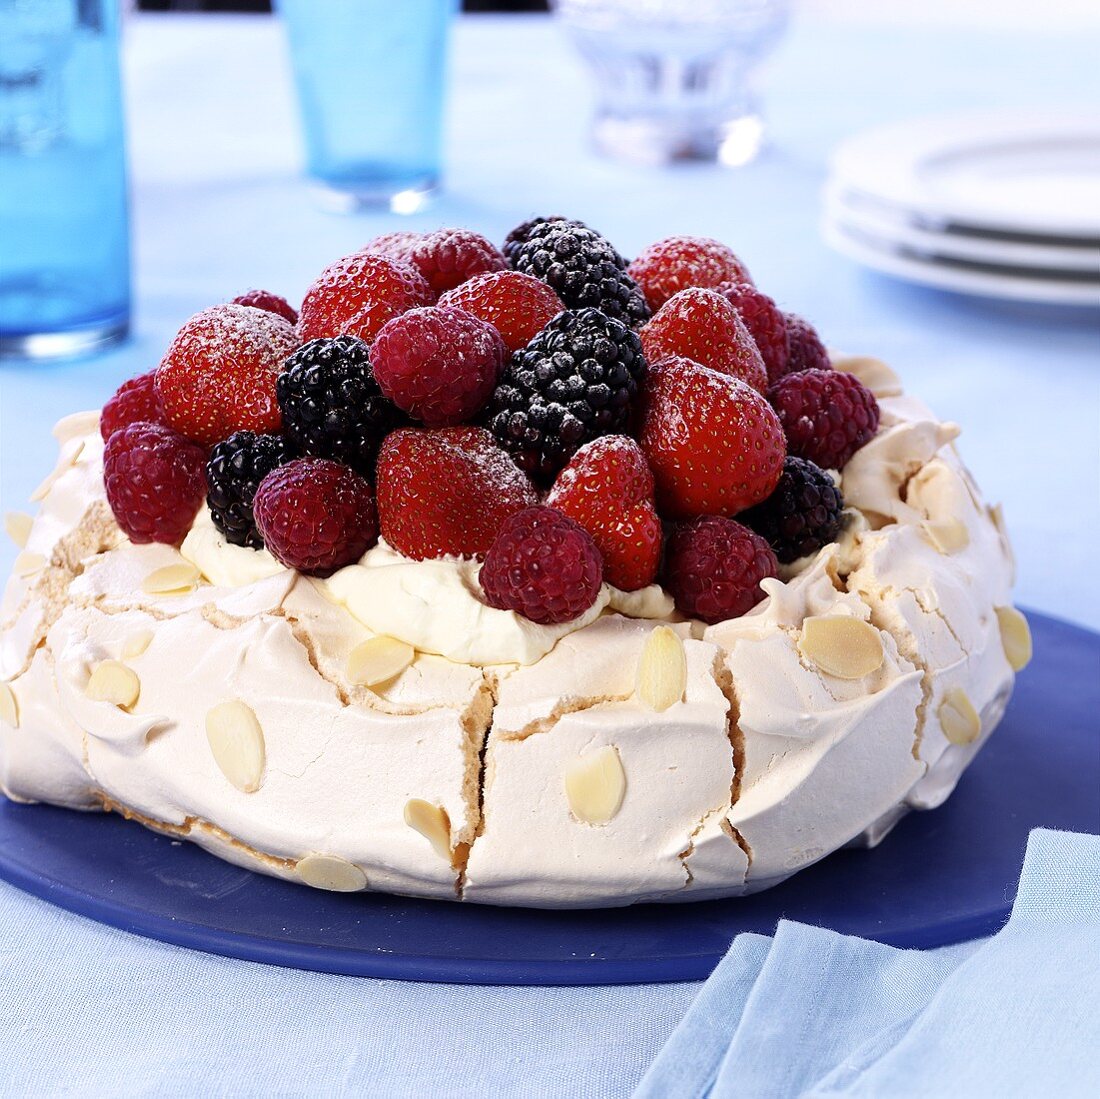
x,y
64,226
370,77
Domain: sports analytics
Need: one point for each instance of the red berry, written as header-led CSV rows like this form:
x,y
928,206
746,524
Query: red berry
x,y
270,303
675,263
396,245
444,492
218,375
134,400
766,322
714,444
356,295
437,364
316,515
713,568
518,306
807,352
448,257
703,326
827,415
607,487
155,481
542,565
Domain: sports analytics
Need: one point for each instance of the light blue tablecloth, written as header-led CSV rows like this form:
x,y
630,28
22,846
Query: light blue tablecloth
x,y
219,207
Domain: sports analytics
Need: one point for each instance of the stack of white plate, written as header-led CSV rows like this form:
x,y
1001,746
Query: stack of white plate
x,y
1000,205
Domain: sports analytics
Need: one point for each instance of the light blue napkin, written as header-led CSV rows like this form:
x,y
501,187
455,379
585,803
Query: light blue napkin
x,y
813,1013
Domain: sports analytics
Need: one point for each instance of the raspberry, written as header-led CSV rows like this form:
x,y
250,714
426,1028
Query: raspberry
x,y
576,380
608,488
448,257
827,415
218,375
517,306
270,303
356,295
542,565
807,352
155,481
134,400
703,326
714,444
439,365
316,515
234,471
332,406
675,263
801,515
522,233
766,322
395,245
713,568
444,492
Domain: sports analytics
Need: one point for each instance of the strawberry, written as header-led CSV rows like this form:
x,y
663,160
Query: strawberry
x,y
608,488
670,265
518,306
714,444
445,492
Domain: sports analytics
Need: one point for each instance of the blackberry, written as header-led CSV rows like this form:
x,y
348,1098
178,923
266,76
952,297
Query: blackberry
x,y
522,232
801,515
332,406
234,470
583,268
575,381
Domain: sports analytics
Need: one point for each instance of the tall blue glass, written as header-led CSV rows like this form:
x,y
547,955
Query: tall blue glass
x,y
370,76
64,226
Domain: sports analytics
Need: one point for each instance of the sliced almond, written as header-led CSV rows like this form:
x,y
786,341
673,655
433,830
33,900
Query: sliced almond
x,y
111,681
1015,637
27,564
948,535
841,646
661,678
237,744
873,373
595,785
331,872
959,720
136,644
432,822
18,525
174,579
44,486
377,660
9,705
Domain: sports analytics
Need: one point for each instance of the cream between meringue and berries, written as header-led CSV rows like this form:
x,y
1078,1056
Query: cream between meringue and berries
x,y
518,576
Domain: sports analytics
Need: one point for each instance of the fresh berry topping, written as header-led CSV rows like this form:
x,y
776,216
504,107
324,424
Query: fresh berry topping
x,y
675,263
438,364
576,380
542,565
218,375
807,352
332,405
445,492
522,233
827,415
270,303
517,306
134,400
155,481
714,444
703,326
582,268
448,257
356,295
234,470
315,515
766,322
713,568
608,488
396,245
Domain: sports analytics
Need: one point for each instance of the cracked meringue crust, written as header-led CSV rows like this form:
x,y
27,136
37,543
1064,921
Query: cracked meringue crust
x,y
510,764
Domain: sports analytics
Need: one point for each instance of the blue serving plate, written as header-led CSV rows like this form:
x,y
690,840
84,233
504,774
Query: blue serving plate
x,y
940,877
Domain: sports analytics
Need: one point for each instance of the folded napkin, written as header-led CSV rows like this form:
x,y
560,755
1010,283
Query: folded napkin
x,y
813,1013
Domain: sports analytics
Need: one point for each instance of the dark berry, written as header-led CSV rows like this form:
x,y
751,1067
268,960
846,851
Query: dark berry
x,y
234,470
522,232
134,400
807,352
801,515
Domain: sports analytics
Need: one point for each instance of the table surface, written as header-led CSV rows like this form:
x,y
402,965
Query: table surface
x,y
220,206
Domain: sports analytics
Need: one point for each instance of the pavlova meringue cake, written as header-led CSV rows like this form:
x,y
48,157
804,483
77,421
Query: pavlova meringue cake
x,y
519,577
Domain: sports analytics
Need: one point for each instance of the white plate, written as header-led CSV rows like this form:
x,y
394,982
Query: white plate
x,y
1021,172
